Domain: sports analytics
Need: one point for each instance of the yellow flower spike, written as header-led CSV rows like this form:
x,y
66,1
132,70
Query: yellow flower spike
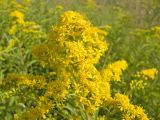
x,y
19,17
114,71
148,74
76,39
13,29
129,110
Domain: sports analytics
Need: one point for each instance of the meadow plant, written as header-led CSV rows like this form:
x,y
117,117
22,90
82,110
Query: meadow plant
x,y
74,47
59,75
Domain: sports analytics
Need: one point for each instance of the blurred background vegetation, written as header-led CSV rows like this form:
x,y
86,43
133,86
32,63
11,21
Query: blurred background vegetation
x,y
134,36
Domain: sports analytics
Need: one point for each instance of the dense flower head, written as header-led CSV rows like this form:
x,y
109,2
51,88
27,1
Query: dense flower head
x,y
70,55
19,16
147,74
114,70
131,112
75,46
74,41
18,23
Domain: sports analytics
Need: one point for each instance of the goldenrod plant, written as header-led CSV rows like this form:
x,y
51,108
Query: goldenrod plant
x,y
78,60
74,47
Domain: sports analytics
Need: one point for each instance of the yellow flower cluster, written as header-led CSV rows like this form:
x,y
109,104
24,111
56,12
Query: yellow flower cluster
x,y
18,23
141,78
57,90
131,112
148,74
19,17
75,41
75,46
114,71
38,82
13,29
